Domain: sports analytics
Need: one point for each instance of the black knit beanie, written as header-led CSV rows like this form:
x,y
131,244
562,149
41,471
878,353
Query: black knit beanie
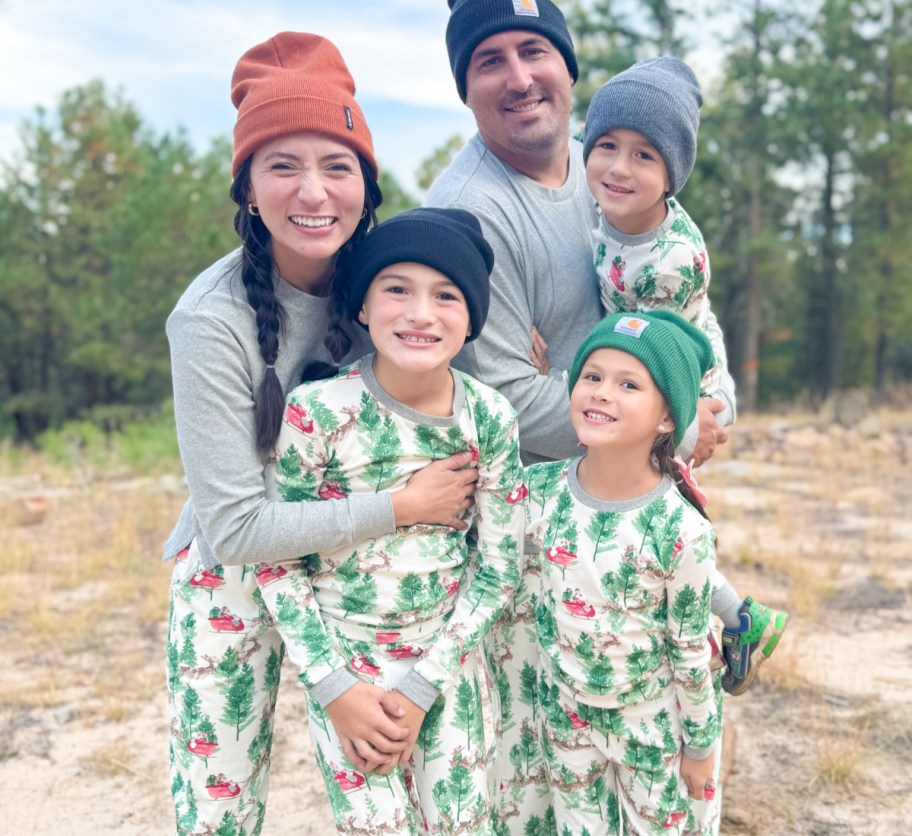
x,y
471,21
449,240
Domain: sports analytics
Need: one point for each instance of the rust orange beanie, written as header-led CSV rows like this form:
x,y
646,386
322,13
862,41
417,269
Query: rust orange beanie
x,y
295,82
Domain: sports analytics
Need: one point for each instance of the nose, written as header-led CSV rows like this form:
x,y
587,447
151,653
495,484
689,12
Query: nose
x,y
311,189
419,309
519,79
620,165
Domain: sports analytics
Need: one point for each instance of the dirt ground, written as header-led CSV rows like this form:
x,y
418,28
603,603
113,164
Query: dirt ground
x,y
812,516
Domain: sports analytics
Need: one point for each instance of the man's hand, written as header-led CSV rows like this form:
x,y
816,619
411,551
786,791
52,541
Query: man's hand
x,y
710,434
539,352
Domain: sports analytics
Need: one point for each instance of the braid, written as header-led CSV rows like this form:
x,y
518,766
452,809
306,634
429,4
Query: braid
x,y
256,273
663,452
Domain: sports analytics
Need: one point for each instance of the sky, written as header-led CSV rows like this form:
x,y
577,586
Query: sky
x,y
173,60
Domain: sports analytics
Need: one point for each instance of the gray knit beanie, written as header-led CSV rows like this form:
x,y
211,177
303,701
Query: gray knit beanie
x,y
471,21
659,98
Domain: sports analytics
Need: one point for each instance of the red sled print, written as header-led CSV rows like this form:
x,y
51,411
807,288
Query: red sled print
x,y
580,608
348,781
387,637
331,490
297,416
616,273
361,665
221,787
200,745
407,651
224,621
560,556
267,573
206,580
575,721
518,494
675,817
183,554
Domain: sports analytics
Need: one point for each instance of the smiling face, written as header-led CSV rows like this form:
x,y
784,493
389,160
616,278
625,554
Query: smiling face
x,y
628,179
616,403
519,89
310,194
418,320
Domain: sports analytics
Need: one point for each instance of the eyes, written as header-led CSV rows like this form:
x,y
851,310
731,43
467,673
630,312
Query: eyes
x,y
639,154
595,378
335,168
529,53
440,295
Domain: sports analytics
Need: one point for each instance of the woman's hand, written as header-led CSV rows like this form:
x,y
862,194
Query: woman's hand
x,y
438,494
538,354
698,776
362,718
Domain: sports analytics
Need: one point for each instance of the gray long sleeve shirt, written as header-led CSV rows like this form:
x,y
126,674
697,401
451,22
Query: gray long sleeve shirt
x,y
217,368
543,276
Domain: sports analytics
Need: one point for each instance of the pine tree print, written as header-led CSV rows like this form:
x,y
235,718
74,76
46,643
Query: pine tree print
x,y
686,610
601,530
258,750
227,826
460,787
238,707
304,628
292,483
380,441
188,649
600,252
645,285
323,415
412,594
429,733
271,673
187,819
467,710
644,520
359,592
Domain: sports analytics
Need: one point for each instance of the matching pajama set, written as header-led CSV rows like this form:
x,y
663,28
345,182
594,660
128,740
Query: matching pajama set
x,y
401,611
622,614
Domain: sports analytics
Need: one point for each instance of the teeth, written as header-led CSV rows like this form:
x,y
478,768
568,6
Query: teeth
x,y
410,339
524,108
312,223
598,416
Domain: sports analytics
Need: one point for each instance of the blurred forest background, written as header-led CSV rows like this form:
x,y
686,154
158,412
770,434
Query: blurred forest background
x,y
803,188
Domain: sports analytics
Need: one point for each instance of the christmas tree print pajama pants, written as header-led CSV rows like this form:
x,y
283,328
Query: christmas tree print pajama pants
x,y
614,770
443,789
224,656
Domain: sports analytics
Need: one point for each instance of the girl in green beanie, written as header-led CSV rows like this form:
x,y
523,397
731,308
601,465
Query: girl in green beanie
x,y
629,717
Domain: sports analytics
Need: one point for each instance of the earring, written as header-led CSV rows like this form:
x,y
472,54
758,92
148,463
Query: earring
x,y
364,213
661,428
253,209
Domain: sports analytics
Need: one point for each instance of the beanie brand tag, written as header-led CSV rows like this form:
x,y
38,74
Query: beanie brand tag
x,y
527,8
633,326
348,118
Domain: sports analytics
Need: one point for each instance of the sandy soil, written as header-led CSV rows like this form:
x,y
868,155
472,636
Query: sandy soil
x,y
811,518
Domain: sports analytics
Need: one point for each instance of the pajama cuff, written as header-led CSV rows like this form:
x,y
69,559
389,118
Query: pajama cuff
x,y
698,754
332,686
416,688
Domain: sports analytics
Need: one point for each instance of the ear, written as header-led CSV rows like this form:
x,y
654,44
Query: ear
x,y
667,425
362,316
469,331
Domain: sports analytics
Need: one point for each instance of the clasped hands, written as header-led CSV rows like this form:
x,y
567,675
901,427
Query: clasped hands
x,y
377,729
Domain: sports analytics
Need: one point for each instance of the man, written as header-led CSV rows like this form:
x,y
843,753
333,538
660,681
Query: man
x,y
524,178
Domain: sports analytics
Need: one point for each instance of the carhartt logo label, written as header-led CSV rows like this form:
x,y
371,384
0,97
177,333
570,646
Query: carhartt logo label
x,y
526,7
633,326
348,118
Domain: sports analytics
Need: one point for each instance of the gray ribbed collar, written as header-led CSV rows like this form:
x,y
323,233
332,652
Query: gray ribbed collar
x,y
605,505
366,365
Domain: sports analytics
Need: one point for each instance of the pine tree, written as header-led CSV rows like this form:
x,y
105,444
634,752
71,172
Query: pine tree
x,y
466,709
601,530
429,733
292,482
460,785
188,649
238,707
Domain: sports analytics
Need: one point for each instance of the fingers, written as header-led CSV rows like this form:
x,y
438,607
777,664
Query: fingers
x,y
391,705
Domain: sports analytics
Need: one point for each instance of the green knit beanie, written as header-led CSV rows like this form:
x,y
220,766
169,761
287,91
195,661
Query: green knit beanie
x,y
676,353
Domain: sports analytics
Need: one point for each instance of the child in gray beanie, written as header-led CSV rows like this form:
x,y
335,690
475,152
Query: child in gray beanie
x,y
639,146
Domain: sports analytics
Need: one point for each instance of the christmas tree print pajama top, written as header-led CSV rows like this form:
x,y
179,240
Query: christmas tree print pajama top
x,y
405,610
622,614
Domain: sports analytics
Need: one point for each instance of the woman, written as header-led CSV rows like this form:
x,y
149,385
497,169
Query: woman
x,y
305,181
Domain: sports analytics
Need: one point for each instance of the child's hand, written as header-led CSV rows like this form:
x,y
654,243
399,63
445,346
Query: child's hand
x,y
538,354
698,776
369,736
410,722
